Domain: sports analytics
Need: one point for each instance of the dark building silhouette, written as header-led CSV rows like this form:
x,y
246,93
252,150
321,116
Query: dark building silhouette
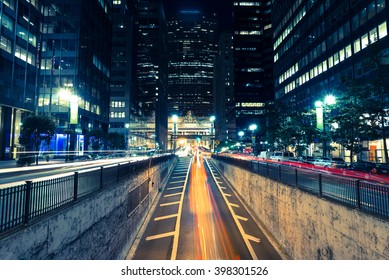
x,y
224,105
253,59
123,106
151,75
192,46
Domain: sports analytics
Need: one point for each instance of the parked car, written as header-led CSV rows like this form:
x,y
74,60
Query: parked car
x,y
330,162
282,156
25,160
381,168
265,155
306,159
364,166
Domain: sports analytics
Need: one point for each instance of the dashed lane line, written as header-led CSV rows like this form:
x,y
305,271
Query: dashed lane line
x,y
166,217
252,238
170,203
242,218
173,194
174,188
159,236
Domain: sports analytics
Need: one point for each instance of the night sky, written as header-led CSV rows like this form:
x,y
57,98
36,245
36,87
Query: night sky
x,y
223,8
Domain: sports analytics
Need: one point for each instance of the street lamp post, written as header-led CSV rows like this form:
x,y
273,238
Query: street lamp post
x,y
253,127
241,134
212,119
174,119
127,126
321,108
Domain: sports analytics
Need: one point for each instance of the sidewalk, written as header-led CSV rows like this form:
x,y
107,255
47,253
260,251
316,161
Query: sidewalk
x,y
12,163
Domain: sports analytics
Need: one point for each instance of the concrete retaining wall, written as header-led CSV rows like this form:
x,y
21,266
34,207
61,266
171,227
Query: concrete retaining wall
x,y
309,227
97,227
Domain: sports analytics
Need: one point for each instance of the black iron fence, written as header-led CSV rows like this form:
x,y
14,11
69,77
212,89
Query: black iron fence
x,y
20,204
366,196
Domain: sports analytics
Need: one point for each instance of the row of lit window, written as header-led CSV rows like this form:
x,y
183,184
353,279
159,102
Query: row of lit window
x,y
250,32
287,16
289,73
247,4
118,104
290,27
56,100
364,41
118,115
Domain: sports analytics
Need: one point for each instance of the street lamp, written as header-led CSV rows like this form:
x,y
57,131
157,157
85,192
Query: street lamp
x,y
127,126
174,119
212,119
321,108
253,127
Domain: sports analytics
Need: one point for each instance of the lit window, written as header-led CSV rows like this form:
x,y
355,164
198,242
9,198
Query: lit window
x,y
341,55
373,36
382,31
348,51
365,41
357,45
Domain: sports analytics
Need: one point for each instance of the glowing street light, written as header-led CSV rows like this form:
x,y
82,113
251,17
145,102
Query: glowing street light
x,y
321,108
175,120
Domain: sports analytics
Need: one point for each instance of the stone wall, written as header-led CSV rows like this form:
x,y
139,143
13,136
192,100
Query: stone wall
x,y
96,227
308,227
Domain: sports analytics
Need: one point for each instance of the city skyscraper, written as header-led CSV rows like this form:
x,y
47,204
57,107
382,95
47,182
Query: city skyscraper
x,y
122,85
75,67
150,127
253,73
318,45
224,105
19,46
192,46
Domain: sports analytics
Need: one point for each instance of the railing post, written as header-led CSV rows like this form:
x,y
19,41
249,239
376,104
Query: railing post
x,y
101,176
358,194
296,177
75,186
27,203
320,186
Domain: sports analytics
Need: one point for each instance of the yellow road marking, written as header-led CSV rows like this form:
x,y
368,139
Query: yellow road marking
x,y
252,238
174,188
242,218
173,194
159,236
165,217
170,203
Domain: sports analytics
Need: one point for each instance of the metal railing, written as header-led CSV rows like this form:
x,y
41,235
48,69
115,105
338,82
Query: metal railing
x,y
366,196
22,203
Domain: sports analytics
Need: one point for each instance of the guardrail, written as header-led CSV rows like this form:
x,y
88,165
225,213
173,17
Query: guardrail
x,y
20,204
366,196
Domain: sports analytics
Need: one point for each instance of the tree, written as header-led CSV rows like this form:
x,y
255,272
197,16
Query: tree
x,y
35,130
350,126
96,139
115,141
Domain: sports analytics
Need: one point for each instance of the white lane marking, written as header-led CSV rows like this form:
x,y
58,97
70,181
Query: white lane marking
x,y
175,188
173,194
165,217
170,203
159,236
176,182
227,194
237,222
178,222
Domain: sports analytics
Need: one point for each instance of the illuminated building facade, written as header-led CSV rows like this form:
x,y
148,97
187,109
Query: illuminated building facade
x,y
319,43
192,46
75,65
19,40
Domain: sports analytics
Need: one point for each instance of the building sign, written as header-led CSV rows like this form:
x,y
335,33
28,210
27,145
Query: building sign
x,y
319,118
74,109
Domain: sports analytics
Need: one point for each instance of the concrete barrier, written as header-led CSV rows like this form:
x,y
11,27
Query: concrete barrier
x,y
96,227
307,227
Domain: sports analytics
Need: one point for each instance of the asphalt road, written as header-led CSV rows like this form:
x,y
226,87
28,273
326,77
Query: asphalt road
x,y
199,217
